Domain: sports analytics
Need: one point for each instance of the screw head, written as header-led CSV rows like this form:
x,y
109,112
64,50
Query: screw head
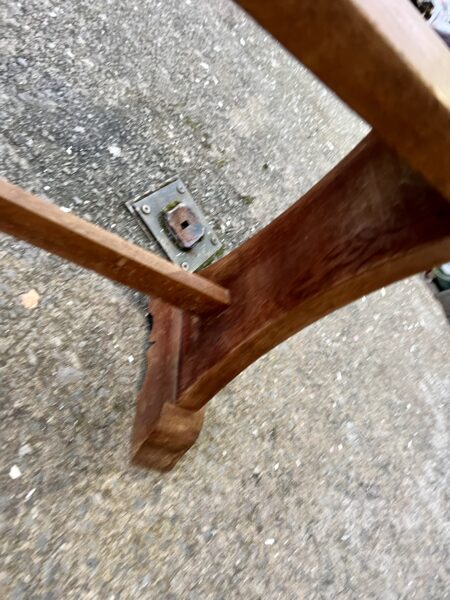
x,y
146,209
214,240
180,188
185,266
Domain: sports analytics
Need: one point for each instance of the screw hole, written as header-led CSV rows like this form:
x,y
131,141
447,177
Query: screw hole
x,y
184,224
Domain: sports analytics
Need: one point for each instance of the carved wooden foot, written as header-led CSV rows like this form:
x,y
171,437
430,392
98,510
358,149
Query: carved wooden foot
x,y
163,431
368,223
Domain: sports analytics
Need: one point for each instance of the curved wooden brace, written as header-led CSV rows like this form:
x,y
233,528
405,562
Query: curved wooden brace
x,y
371,221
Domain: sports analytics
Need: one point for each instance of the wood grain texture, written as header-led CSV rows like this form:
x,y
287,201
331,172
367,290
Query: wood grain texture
x,y
162,431
370,222
43,224
384,61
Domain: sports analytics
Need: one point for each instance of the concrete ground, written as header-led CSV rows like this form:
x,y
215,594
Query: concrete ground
x,y
321,470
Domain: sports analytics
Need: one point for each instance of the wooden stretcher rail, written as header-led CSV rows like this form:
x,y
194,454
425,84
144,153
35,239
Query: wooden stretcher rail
x,y
384,61
43,224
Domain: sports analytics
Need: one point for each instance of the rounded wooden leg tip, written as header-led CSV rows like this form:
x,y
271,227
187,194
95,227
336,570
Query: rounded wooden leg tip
x,y
174,433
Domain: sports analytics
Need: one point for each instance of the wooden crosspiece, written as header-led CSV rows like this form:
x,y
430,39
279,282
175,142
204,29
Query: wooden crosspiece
x,y
381,215
45,225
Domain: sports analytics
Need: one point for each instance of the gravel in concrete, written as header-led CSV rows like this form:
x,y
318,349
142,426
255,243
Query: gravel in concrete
x,y
321,472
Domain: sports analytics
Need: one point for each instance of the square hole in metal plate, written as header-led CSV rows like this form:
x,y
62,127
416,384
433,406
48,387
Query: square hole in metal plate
x,y
172,217
184,226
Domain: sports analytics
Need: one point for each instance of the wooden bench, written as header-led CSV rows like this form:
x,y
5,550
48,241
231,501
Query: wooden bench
x,y
381,215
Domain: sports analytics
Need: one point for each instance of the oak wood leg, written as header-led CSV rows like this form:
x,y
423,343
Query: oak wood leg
x,y
371,221
162,430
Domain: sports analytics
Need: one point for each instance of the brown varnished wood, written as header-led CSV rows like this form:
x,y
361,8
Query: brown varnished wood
x,y
384,61
370,222
45,225
162,431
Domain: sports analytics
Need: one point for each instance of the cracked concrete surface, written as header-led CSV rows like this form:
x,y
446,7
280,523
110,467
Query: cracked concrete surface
x,y
322,470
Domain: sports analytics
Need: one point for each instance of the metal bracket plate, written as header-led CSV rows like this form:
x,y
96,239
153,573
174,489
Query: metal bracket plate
x,y
153,210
